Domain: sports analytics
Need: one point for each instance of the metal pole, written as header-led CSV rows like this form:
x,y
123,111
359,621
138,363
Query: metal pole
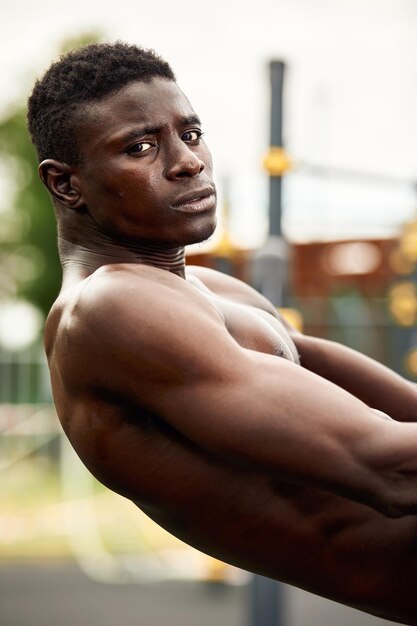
x,y
270,266
270,277
265,602
275,182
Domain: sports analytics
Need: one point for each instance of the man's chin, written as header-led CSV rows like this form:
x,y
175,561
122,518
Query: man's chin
x,y
199,234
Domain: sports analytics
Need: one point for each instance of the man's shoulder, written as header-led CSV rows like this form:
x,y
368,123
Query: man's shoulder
x,y
125,300
120,286
138,322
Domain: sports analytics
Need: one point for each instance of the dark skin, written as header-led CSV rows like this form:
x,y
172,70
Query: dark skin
x,y
183,389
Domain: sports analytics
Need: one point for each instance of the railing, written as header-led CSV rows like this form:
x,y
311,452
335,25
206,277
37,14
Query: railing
x,y
24,377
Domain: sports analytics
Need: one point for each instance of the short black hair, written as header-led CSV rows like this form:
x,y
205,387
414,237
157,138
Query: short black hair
x,y
77,78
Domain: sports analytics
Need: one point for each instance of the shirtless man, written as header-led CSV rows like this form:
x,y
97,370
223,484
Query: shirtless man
x,y
182,388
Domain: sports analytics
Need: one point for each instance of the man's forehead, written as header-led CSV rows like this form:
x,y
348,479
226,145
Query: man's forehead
x,y
144,103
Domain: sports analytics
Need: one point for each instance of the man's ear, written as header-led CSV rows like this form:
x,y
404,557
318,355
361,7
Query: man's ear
x,y
62,183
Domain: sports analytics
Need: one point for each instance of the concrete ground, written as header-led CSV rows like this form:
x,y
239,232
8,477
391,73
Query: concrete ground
x,y
61,595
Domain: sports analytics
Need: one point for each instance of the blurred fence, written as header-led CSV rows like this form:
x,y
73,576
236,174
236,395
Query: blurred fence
x,y
364,324
24,377
28,420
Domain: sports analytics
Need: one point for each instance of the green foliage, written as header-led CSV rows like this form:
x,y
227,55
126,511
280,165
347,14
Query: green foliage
x,y
28,257
33,243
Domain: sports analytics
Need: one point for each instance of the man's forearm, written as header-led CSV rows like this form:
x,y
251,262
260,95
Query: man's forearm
x,y
371,382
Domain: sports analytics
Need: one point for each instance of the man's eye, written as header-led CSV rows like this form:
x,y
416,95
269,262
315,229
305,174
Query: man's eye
x,y
192,135
142,146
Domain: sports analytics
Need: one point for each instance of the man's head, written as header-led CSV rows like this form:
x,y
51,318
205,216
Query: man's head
x,y
81,77
122,149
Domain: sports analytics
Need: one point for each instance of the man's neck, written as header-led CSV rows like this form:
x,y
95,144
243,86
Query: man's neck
x,y
80,260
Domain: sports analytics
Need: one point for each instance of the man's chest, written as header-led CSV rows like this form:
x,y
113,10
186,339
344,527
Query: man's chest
x,y
252,327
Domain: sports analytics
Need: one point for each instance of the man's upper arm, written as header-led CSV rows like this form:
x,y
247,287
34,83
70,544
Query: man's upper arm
x,y
366,379
167,352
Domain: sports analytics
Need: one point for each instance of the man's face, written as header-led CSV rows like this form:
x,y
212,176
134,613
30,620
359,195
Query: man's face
x,y
146,173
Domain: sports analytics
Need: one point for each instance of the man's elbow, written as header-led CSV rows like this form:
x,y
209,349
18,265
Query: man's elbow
x,y
388,470
395,498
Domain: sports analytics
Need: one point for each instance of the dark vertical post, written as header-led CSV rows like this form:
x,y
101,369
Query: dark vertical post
x,y
265,602
275,182
269,270
270,277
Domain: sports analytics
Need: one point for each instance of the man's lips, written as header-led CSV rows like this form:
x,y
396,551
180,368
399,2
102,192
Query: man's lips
x,y
196,201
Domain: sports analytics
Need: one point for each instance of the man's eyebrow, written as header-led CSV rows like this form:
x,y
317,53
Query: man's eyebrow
x,y
191,119
137,133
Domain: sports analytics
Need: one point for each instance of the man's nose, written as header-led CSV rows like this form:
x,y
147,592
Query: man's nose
x,y
182,162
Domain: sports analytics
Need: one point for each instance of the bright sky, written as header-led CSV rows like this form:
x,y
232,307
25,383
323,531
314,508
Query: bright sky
x,y
351,94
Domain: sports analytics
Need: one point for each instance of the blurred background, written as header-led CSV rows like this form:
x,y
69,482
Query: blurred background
x,y
310,110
